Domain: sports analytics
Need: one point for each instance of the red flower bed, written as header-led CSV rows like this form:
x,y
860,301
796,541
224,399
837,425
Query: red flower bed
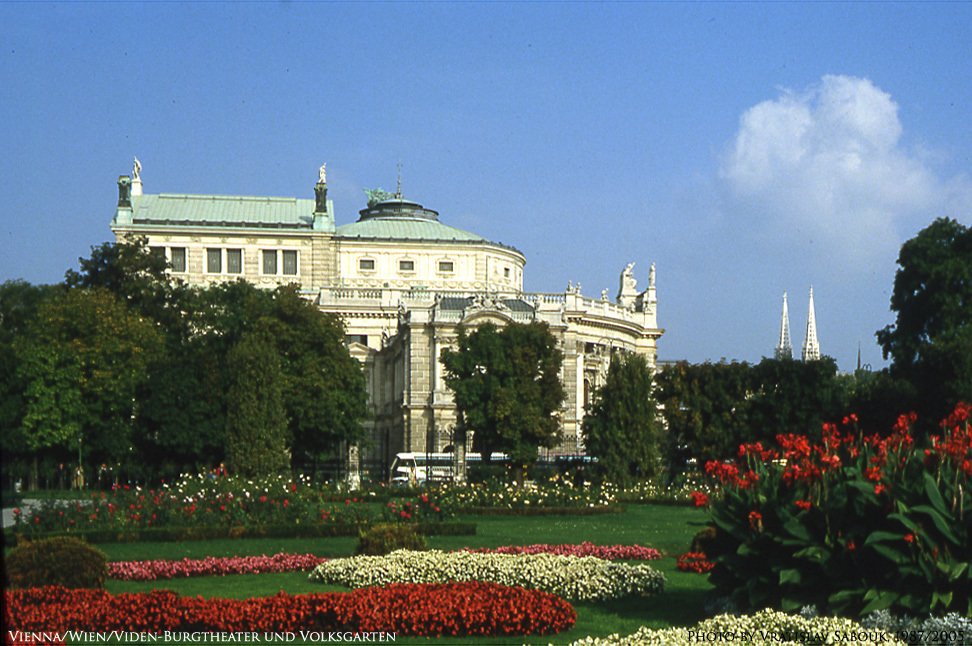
x,y
211,566
694,562
469,608
607,552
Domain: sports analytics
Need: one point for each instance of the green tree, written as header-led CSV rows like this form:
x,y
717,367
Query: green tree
x,y
256,423
507,389
706,410
19,301
621,427
930,342
83,357
324,390
138,275
792,396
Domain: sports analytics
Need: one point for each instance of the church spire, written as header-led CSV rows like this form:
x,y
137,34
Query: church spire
x,y
784,349
811,347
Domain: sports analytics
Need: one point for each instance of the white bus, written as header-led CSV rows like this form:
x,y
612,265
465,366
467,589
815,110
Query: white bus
x,y
417,468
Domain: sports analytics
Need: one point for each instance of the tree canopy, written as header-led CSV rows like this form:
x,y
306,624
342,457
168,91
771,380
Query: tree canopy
x,y
507,388
83,358
711,408
930,342
137,366
256,424
621,428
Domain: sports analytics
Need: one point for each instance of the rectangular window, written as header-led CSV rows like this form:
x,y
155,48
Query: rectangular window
x,y
234,261
290,263
214,261
270,262
157,252
178,258
446,266
406,265
506,272
356,338
366,264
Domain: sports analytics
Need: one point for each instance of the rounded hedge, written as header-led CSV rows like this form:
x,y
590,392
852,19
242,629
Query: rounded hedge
x,y
62,560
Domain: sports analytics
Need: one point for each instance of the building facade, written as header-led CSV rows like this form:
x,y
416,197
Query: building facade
x,y
403,282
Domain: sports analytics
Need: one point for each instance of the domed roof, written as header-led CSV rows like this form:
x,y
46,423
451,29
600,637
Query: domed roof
x,y
401,219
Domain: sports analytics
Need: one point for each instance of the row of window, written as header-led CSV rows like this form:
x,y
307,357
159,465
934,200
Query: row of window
x,y
445,266
230,261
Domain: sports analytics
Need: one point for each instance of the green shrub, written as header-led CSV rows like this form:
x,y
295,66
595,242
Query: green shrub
x,y
705,540
63,560
385,538
850,524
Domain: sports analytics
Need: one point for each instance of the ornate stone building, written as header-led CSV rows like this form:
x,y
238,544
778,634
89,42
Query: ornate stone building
x,y
402,281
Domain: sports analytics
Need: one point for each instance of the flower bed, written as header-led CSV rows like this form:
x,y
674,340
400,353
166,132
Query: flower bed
x,y
553,494
571,577
211,566
433,610
694,562
848,523
232,505
606,552
764,628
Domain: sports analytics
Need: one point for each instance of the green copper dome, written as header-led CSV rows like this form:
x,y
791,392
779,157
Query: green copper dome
x,y
401,219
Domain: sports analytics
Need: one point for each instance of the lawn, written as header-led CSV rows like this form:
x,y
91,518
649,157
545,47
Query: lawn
x,y
669,529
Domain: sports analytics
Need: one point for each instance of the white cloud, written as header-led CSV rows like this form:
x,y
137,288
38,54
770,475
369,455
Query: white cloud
x,y
828,164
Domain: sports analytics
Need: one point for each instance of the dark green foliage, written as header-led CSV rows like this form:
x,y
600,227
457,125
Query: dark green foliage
x,y
138,277
256,423
323,385
712,408
705,409
18,305
621,427
387,537
850,525
83,359
878,398
705,540
930,342
794,397
507,388
64,561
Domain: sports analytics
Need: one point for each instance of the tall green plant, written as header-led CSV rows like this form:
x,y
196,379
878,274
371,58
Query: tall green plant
x,y
621,427
851,523
256,424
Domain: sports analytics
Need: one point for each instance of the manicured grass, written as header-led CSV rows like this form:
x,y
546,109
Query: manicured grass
x,y
669,529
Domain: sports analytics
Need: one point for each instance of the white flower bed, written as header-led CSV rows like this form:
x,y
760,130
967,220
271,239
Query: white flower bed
x,y
761,629
571,577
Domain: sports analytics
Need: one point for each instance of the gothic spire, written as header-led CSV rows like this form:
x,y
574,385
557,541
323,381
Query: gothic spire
x,y
811,347
784,349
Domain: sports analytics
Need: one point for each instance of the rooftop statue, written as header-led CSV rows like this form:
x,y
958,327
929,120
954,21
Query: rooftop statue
x,y
376,195
136,169
322,174
628,282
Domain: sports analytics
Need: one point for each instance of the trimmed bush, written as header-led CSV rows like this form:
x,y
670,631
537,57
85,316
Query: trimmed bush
x,y
64,561
385,538
705,540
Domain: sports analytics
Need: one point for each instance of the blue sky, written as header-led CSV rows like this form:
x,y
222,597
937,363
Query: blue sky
x,y
746,149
